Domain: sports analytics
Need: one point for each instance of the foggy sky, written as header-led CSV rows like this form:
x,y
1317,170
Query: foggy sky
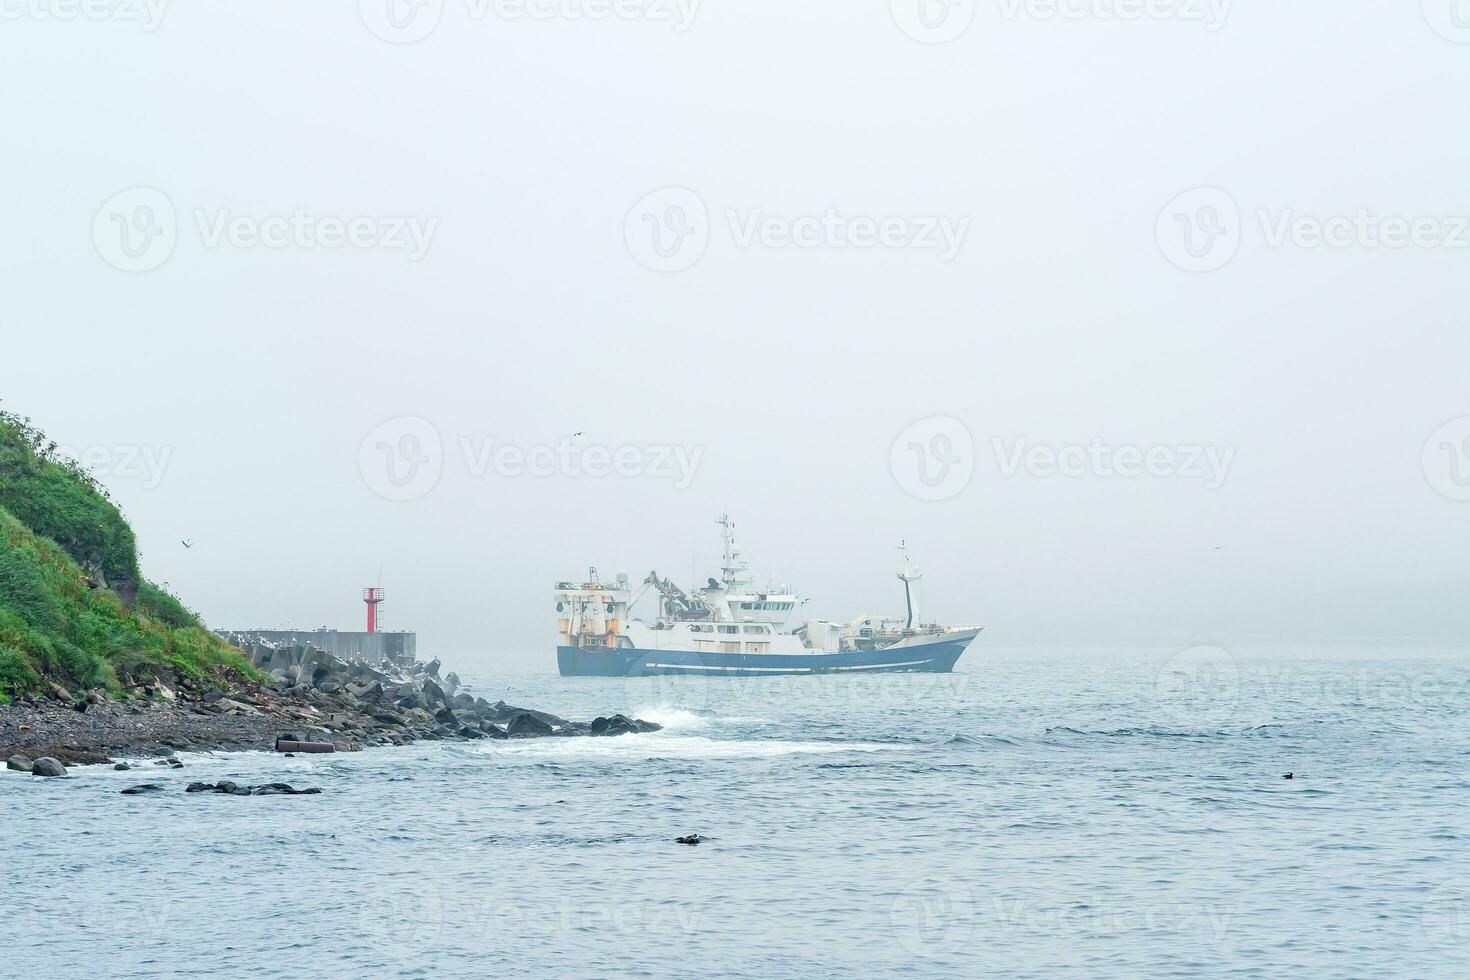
x,y
523,147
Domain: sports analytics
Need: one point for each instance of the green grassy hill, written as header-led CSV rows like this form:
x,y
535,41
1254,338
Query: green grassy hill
x,y
74,607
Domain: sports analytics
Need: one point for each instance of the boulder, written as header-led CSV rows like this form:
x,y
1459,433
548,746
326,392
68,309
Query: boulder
x,y
525,724
142,788
365,690
122,767
493,731
329,687
47,766
19,763
503,713
434,694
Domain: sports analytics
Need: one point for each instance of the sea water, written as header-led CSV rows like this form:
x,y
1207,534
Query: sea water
x,y
1039,813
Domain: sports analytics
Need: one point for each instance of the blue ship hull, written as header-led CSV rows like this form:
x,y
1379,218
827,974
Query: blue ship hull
x,y
935,657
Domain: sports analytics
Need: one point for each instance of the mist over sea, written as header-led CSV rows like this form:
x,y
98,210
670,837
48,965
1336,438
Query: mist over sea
x,y
1039,813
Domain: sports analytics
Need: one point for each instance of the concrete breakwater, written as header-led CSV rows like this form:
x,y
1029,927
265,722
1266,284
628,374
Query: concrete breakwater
x,y
395,649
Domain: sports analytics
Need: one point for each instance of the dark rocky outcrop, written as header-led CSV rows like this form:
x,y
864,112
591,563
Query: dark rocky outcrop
x,y
19,763
228,788
142,788
349,704
47,766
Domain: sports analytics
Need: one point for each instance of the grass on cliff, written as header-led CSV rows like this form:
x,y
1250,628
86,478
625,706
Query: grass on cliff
x,y
73,606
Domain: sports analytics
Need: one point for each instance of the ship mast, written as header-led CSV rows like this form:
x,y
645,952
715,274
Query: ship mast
x,y
732,566
909,575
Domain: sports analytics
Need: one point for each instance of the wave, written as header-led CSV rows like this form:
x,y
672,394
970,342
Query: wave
x,y
1156,731
994,741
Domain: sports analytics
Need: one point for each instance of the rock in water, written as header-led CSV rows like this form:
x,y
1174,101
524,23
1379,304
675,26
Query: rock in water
x,y
281,789
47,766
691,839
142,788
228,788
19,763
122,767
622,725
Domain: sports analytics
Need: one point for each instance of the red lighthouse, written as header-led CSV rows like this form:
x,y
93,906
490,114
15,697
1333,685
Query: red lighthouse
x,y
373,597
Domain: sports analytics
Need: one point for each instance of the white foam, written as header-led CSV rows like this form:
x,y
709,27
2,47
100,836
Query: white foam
x,y
671,718
659,745
682,719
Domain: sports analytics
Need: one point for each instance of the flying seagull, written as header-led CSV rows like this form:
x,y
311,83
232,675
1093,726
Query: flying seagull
x,y
187,542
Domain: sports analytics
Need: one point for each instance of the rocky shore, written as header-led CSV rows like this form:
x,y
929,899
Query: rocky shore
x,y
314,698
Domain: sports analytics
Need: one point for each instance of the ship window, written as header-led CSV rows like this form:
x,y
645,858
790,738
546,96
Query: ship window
x,y
745,605
757,629
729,629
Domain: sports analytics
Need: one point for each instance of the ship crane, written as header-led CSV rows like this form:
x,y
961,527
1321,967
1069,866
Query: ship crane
x,y
676,603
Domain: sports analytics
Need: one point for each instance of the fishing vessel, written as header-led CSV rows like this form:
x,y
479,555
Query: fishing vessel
x,y
733,627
